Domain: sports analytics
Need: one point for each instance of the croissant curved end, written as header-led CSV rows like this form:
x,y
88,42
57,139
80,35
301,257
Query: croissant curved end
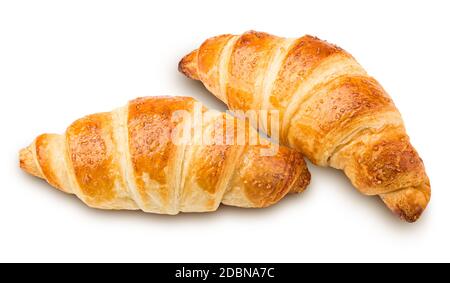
x,y
302,182
188,65
409,203
28,163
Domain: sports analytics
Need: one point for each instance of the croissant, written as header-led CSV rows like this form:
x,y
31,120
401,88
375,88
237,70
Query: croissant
x,y
329,109
135,158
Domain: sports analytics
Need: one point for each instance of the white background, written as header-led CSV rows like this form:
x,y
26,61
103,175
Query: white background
x,y
61,60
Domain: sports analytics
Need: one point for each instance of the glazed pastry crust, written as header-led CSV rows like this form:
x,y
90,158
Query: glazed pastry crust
x,y
330,109
126,159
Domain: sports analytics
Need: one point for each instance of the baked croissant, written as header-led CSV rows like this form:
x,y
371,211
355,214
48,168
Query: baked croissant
x,y
329,109
129,159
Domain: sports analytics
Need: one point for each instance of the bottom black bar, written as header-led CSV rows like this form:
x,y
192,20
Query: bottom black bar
x,y
226,272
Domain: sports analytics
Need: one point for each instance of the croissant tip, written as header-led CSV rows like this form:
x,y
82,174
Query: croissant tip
x,y
302,181
411,213
410,203
27,163
188,67
409,217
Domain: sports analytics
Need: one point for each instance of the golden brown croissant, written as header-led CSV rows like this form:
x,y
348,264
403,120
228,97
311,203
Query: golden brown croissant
x,y
130,159
329,109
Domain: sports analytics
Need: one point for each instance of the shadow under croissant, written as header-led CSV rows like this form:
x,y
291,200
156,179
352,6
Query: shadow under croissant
x,y
372,205
64,199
